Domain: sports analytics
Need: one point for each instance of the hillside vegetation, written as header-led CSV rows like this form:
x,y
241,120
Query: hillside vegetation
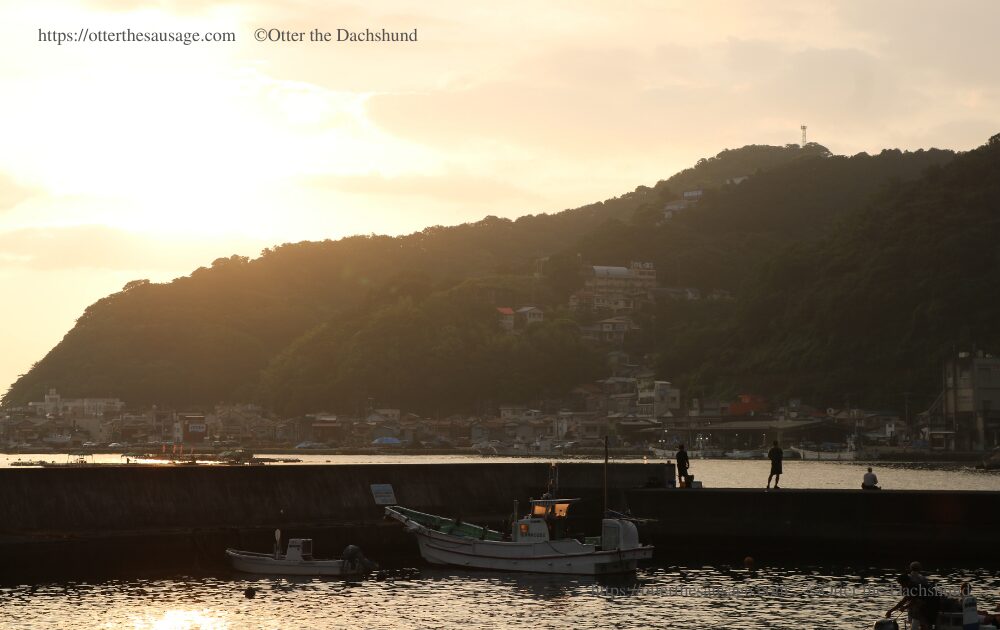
x,y
851,274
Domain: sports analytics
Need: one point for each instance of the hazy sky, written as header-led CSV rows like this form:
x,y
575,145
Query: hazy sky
x,y
146,160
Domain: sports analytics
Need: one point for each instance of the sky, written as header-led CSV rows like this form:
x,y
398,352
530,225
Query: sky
x,y
128,160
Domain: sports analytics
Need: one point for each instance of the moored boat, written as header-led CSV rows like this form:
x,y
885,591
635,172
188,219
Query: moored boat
x,y
536,542
992,462
298,560
746,454
845,455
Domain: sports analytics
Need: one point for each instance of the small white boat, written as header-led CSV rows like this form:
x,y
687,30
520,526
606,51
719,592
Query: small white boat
x,y
845,455
536,543
945,621
746,454
298,560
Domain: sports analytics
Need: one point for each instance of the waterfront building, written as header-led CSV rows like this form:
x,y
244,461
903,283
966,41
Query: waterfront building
x,y
966,416
55,405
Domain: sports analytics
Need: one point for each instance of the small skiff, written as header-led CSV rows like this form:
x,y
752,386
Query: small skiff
x,y
298,560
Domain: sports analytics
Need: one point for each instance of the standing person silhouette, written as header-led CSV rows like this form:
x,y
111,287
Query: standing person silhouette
x,y
775,455
683,463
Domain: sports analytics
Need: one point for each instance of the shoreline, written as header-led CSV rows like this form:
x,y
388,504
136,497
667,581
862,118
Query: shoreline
x,y
914,457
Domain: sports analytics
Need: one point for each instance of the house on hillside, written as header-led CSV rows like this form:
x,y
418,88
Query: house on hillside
x,y
662,294
611,331
688,200
615,289
673,208
749,405
506,318
528,315
657,399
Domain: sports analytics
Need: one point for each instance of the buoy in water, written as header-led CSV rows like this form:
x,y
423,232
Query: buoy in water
x,y
748,562
250,593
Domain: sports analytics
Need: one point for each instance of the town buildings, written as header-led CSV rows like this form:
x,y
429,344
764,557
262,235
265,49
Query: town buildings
x,y
966,415
615,290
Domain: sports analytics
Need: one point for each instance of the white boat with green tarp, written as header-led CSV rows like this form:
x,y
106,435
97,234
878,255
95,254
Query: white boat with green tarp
x,y
536,542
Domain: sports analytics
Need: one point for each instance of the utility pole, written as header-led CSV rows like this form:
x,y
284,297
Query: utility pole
x,y
906,408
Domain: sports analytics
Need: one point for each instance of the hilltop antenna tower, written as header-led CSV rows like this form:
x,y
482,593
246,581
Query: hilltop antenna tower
x,y
803,127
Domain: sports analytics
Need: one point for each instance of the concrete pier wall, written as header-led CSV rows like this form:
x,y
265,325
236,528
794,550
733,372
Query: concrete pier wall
x,y
805,526
179,517
140,497
56,523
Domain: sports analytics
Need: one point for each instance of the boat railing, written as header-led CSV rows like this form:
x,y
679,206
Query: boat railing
x,y
453,526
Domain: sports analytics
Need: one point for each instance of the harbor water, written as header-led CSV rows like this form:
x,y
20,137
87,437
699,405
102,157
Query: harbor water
x,y
696,597
804,593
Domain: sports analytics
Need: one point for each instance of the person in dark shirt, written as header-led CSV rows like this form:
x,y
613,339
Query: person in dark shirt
x,y
683,463
775,455
920,603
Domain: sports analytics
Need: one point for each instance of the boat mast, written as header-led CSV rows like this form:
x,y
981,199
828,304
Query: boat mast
x,y
605,475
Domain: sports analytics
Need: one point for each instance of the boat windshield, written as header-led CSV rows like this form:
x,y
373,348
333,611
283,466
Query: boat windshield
x,y
556,508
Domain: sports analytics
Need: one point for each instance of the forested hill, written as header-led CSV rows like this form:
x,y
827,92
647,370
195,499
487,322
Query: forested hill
x,y
410,321
872,310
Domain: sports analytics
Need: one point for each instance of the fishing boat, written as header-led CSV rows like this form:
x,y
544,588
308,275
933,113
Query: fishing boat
x,y
992,462
298,560
58,440
535,543
694,453
845,455
944,621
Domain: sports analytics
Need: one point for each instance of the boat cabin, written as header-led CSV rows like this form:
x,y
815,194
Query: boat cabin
x,y
299,549
546,521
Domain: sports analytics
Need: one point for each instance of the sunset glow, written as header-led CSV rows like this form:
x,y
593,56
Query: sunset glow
x,y
147,160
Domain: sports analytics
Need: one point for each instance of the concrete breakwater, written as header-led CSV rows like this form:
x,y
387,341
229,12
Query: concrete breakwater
x,y
56,523
177,518
807,526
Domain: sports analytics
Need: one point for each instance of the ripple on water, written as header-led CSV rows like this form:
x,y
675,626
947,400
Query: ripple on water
x,y
716,597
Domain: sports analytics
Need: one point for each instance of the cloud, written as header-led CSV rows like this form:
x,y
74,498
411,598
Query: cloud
x,y
448,188
929,40
581,103
98,247
12,193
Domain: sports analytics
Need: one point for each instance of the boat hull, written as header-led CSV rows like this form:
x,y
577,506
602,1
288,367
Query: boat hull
x,y
593,563
568,556
250,562
831,456
745,455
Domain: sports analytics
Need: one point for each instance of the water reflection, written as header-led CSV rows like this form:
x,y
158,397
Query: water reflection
x,y
675,596
180,620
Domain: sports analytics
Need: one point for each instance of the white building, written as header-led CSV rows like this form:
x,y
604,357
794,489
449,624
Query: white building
x,y
56,405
